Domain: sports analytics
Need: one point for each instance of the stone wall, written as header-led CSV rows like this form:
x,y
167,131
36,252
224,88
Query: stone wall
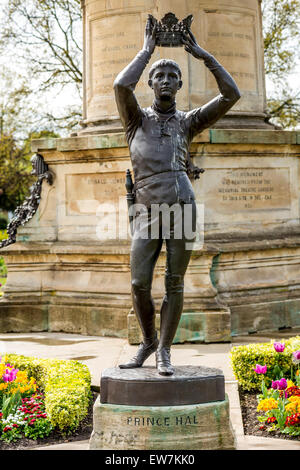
x,y
245,278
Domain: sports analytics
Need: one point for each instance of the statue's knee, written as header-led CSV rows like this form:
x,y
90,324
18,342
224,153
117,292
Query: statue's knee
x,y
174,283
140,286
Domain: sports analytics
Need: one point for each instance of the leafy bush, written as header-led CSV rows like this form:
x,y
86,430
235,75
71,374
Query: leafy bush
x,y
244,359
66,385
3,235
3,223
3,269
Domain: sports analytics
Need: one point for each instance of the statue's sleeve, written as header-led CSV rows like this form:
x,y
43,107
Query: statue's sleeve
x,y
201,118
124,86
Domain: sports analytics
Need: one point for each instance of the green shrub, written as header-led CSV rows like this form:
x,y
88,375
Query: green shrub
x,y
244,359
3,223
3,235
3,268
66,384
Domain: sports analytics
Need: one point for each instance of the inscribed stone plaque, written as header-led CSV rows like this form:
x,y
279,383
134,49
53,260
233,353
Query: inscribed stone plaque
x,y
84,192
242,191
111,49
231,39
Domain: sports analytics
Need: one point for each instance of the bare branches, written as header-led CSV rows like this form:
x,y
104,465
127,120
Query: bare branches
x,y
281,24
43,39
47,31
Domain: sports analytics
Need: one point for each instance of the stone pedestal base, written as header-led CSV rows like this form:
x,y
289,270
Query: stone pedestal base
x,y
190,427
194,327
169,424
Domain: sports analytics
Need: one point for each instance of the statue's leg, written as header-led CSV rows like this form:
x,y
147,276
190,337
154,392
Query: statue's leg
x,y
178,257
144,254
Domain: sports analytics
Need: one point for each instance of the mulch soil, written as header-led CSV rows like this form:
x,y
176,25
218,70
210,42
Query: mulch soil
x,y
83,432
251,424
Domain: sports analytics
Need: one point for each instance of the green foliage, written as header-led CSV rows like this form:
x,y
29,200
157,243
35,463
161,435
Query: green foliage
x,y
42,429
13,435
10,403
244,359
284,108
3,268
3,223
3,235
66,384
16,168
15,174
281,30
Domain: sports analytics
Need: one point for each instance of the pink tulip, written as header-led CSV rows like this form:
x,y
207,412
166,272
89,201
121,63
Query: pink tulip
x,y
296,357
279,384
274,384
260,369
279,347
10,375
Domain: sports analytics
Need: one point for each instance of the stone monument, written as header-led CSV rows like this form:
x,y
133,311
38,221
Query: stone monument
x,y
139,410
186,408
245,278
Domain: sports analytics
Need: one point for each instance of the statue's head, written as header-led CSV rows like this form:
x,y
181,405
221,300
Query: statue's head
x,y
165,79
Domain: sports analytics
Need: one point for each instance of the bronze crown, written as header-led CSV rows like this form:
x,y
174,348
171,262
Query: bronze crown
x,y
170,30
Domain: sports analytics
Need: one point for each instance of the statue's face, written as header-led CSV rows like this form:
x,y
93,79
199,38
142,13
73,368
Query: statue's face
x,y
165,83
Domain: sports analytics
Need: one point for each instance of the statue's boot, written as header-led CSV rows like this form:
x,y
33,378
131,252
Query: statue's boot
x,y
145,313
170,315
163,361
145,350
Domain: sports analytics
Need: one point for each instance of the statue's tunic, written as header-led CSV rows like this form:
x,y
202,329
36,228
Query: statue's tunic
x,y
159,142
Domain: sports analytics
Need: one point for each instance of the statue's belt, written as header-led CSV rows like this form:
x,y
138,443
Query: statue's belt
x,y
168,174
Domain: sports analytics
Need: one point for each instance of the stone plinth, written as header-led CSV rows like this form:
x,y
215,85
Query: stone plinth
x,y
208,326
145,387
169,424
231,31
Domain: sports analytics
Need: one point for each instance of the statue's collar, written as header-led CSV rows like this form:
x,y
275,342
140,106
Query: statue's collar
x,y
158,110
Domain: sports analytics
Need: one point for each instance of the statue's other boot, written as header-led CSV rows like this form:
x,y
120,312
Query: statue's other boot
x,y
145,349
170,316
163,361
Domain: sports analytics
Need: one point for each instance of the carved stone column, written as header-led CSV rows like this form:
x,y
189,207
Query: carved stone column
x,y
231,31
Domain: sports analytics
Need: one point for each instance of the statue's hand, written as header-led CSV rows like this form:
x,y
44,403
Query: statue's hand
x,y
150,32
192,170
192,47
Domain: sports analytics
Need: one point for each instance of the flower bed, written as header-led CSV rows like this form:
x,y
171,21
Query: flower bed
x,y
278,379
40,395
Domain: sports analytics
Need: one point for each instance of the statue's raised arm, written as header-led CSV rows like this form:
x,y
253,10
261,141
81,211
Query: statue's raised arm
x,y
211,112
126,81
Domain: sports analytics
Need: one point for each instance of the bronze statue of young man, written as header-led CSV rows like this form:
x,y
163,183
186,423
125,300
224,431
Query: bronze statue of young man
x,y
159,138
